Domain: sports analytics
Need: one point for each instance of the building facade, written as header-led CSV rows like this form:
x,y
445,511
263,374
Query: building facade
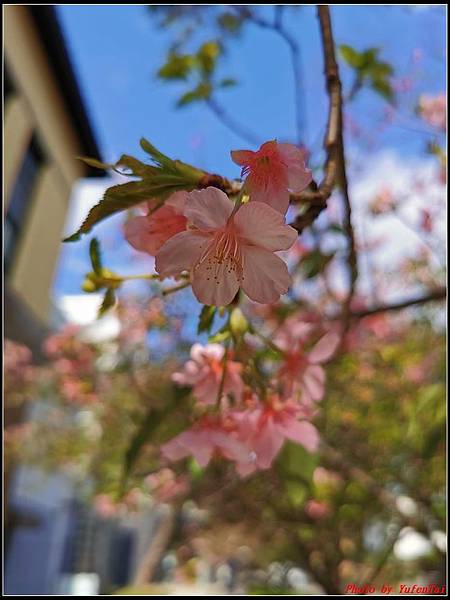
x,y
45,129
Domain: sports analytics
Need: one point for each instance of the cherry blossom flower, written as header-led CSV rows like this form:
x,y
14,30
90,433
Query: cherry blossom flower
x,y
251,438
301,370
326,478
165,485
383,202
147,233
265,429
208,437
433,110
317,510
205,372
105,507
227,249
272,171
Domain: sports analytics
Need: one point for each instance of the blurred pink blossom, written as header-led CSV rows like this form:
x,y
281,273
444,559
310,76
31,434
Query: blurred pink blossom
x,y
317,510
433,110
148,233
205,373
301,369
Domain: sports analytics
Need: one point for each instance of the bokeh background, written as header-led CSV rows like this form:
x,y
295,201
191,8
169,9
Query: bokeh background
x,y
89,509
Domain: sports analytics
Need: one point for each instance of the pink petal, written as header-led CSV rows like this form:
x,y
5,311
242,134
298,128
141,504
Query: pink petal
x,y
245,468
208,209
175,449
324,349
299,177
265,275
313,381
206,389
274,192
233,382
303,433
267,444
137,233
196,443
230,447
242,157
177,201
199,352
214,287
190,374
180,253
261,225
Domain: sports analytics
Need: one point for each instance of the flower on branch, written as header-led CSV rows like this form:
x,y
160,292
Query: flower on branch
x,y
147,233
272,171
251,438
205,372
227,248
301,370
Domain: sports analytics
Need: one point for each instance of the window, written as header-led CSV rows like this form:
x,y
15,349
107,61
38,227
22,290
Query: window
x,y
20,199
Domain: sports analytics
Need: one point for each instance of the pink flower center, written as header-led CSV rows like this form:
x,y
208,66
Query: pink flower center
x,y
223,256
294,363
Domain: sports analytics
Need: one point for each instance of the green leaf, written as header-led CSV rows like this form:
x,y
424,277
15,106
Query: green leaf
x,y
238,323
227,82
201,92
297,493
335,228
207,56
118,198
156,155
314,263
206,319
97,164
368,58
177,66
91,283
351,56
381,70
229,22
220,336
96,259
384,88
295,461
159,181
109,301
137,168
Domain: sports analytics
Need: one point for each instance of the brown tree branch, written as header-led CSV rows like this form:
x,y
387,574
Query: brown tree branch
x,y
437,294
335,167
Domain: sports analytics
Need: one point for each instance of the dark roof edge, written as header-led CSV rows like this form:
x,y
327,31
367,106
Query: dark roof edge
x,y
48,27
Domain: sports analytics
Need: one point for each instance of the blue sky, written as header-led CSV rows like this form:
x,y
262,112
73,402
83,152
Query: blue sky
x,y
116,51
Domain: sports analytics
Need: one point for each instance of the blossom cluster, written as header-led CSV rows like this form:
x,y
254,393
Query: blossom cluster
x,y
246,428
73,365
226,245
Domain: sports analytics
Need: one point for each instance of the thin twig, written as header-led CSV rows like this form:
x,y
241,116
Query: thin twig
x,y
336,165
176,288
438,294
277,27
227,120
